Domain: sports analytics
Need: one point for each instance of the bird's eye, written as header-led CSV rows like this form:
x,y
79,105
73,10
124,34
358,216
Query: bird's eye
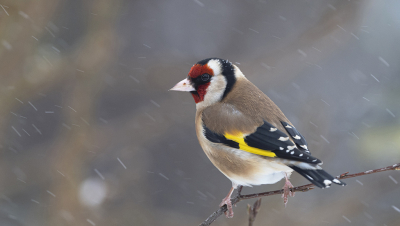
x,y
205,77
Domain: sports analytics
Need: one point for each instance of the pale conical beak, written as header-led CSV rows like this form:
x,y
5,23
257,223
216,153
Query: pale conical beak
x,y
183,85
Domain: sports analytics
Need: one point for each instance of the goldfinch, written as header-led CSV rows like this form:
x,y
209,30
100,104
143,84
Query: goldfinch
x,y
244,134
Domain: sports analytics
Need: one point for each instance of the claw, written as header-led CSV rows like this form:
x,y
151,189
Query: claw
x,y
286,190
227,201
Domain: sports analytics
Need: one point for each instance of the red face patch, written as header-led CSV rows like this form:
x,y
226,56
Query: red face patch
x,y
199,69
201,91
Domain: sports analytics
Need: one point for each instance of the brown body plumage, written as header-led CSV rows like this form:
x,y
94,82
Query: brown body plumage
x,y
241,111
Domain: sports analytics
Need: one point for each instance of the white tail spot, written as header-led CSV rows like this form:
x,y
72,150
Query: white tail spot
x,y
327,182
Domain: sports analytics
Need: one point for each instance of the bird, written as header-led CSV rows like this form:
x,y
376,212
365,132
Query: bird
x,y
244,133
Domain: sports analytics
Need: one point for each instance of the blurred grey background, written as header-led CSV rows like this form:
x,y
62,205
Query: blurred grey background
x,y
89,134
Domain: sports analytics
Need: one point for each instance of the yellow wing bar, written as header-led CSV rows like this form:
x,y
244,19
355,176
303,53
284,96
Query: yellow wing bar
x,y
239,138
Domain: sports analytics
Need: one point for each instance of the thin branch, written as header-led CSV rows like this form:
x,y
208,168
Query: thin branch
x,y
303,188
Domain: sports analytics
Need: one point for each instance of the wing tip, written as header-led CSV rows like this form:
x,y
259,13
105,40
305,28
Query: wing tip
x,y
318,177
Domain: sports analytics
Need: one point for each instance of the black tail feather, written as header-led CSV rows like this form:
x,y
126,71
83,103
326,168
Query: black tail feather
x,y
318,177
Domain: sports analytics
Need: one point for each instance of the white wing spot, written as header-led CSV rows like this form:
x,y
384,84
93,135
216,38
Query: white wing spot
x,y
273,129
287,151
283,138
292,152
304,146
288,127
291,147
301,155
314,160
281,148
309,177
297,137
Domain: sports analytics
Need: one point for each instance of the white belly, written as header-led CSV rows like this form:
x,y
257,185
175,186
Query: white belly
x,y
263,170
270,173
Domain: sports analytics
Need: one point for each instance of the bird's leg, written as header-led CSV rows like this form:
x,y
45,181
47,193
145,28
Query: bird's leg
x,y
227,201
286,190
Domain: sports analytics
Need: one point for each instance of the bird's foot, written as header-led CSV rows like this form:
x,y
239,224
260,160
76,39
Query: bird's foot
x,y
286,191
227,201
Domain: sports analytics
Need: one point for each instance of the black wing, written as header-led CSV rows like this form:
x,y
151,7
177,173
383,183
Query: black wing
x,y
298,139
267,140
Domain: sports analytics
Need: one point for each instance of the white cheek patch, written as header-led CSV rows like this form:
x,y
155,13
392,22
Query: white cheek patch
x,y
215,65
214,91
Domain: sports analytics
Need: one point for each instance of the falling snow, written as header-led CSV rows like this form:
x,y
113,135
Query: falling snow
x,y
4,10
123,165
199,3
32,105
6,44
384,61
163,176
98,173
347,219
395,208
302,52
91,222
324,139
51,193
394,180
16,131
391,113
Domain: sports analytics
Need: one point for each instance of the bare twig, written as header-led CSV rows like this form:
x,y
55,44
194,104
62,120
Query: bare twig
x,y
253,210
303,188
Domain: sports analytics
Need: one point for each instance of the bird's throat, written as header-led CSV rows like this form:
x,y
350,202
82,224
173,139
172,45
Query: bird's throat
x,y
200,92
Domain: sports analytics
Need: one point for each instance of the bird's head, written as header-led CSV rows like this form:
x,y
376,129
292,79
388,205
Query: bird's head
x,y
210,80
